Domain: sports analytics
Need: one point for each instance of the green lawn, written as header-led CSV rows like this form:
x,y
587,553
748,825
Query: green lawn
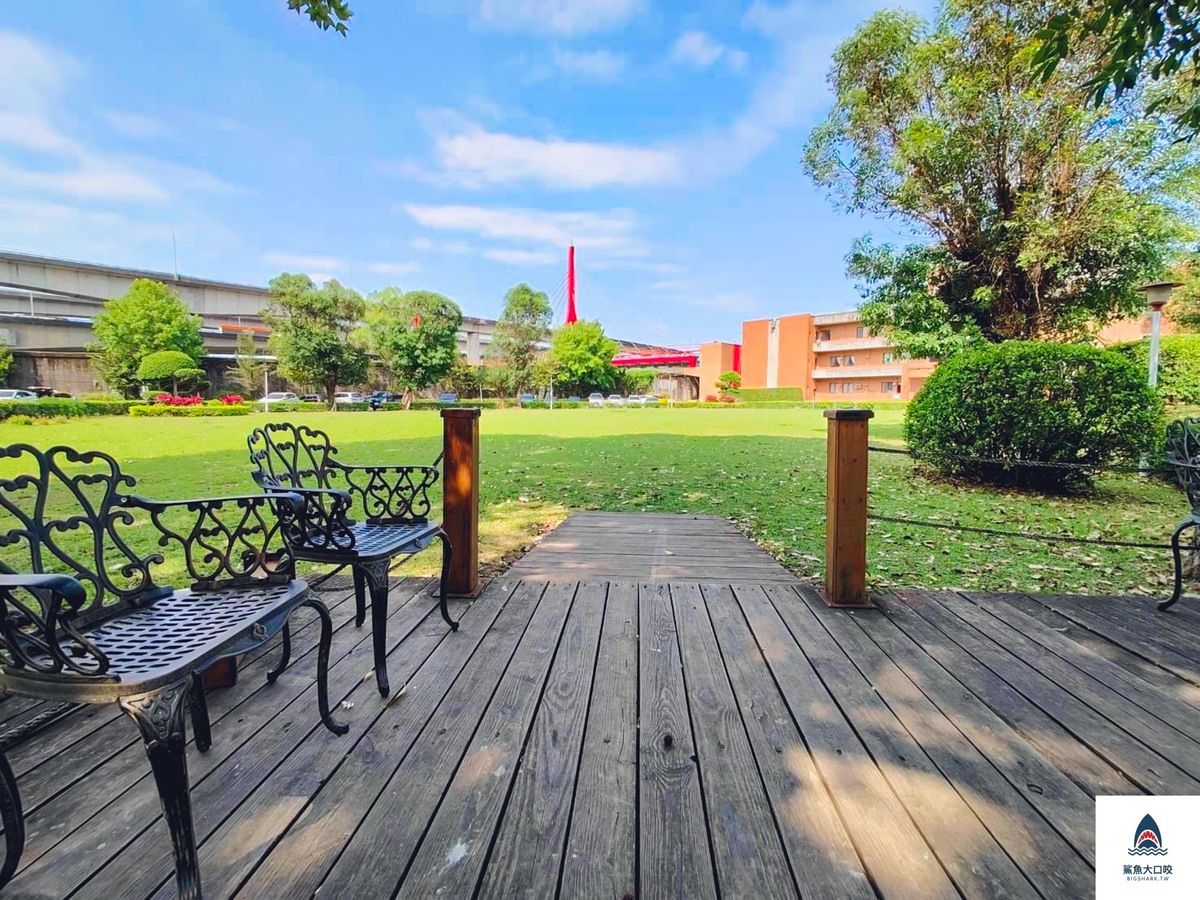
x,y
764,469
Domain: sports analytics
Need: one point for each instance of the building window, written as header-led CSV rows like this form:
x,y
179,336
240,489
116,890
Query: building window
x,y
849,360
835,361
887,387
835,388
889,357
861,332
823,335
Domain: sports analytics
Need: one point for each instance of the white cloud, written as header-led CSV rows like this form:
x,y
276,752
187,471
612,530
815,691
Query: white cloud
x,y
135,125
699,50
610,235
455,248
388,268
469,155
35,79
731,301
302,262
563,17
594,65
672,285
522,257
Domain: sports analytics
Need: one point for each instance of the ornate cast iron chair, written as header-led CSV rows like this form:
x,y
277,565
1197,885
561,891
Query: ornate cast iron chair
x,y
1183,454
393,502
87,618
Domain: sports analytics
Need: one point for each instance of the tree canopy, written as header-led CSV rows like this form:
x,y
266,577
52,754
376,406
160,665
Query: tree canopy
x,y
415,334
584,357
311,329
1032,214
146,318
6,362
325,14
523,323
1139,40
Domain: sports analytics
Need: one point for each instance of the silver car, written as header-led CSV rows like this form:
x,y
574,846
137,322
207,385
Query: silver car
x,y
615,400
11,394
595,399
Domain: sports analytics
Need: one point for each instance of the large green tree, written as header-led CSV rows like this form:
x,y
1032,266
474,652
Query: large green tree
x,y
247,370
415,334
147,318
522,325
583,354
6,362
310,333
1033,214
325,14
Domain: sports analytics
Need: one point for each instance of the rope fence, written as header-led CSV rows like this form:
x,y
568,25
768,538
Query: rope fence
x,y
1020,463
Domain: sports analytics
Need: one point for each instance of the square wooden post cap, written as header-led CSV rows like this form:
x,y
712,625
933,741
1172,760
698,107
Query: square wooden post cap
x,y
851,414
461,412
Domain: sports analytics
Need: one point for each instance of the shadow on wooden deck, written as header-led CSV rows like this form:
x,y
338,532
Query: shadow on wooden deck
x,y
607,738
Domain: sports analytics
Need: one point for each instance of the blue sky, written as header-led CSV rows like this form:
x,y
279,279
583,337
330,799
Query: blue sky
x,y
456,146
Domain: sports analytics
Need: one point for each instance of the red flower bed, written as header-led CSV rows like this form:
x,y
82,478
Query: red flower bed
x,y
178,399
231,399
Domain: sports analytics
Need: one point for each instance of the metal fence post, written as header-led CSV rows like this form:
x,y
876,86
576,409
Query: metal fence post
x,y
460,497
846,507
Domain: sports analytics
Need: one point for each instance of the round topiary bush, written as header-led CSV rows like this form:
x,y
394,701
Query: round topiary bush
x,y
163,364
1031,400
1178,365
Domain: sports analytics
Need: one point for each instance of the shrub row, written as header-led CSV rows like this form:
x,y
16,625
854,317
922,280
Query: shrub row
x,y
753,395
193,411
1178,365
50,408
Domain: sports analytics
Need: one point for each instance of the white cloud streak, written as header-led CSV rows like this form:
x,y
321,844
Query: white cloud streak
x,y
569,18
700,50
592,65
522,257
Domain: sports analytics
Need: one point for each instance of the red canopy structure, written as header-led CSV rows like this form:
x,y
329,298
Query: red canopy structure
x,y
686,360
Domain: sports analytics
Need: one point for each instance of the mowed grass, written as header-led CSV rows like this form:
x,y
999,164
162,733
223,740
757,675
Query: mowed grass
x,y
762,469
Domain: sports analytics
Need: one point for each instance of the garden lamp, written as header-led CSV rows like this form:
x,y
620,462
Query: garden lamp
x,y
1157,295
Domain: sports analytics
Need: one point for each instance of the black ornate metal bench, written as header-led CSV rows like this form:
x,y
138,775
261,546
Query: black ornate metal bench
x,y
87,617
394,506
1183,455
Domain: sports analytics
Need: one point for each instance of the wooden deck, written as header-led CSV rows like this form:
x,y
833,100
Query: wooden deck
x,y
611,739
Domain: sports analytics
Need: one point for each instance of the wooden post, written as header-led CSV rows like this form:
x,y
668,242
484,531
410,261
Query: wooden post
x,y
460,497
846,508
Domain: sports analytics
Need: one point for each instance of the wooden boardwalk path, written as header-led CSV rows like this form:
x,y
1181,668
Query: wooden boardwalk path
x,y
688,738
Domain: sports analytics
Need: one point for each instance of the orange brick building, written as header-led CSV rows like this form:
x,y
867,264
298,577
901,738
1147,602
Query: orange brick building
x,y
830,356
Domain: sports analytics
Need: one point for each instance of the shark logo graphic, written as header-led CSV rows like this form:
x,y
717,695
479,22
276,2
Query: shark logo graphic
x,y
1147,840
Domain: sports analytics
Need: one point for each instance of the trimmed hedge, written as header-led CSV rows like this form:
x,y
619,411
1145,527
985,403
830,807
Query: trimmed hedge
x,y
50,408
190,412
1033,401
1178,365
754,395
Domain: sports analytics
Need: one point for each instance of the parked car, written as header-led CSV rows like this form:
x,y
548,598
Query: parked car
x,y
595,399
638,400
615,400
277,396
526,398
14,394
447,397
573,399
378,398
312,398
48,392
349,397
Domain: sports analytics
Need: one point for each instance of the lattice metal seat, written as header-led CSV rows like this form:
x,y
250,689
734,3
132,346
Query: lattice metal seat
x,y
394,504
109,631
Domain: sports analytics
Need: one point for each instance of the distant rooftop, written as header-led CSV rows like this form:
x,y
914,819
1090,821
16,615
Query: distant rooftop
x,y
35,260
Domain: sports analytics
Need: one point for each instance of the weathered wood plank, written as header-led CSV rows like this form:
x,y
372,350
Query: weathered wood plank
x,y
621,569
527,854
746,847
672,834
1141,764
1061,801
365,822
1081,763
1029,843
601,855
965,847
1099,645
1114,685
451,857
823,858
897,858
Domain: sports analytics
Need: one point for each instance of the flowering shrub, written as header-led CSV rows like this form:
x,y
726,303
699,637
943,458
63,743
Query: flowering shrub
x,y
179,399
711,398
231,399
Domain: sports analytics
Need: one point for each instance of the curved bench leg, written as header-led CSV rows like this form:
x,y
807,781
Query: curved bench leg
x,y
447,556
286,656
160,718
200,725
1177,556
14,821
360,596
376,576
327,718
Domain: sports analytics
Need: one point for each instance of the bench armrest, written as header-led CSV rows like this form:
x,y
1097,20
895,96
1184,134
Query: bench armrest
x,y
391,495
322,523
226,540
33,630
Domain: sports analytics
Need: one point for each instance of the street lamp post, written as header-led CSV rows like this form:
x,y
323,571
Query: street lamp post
x,y
1157,295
